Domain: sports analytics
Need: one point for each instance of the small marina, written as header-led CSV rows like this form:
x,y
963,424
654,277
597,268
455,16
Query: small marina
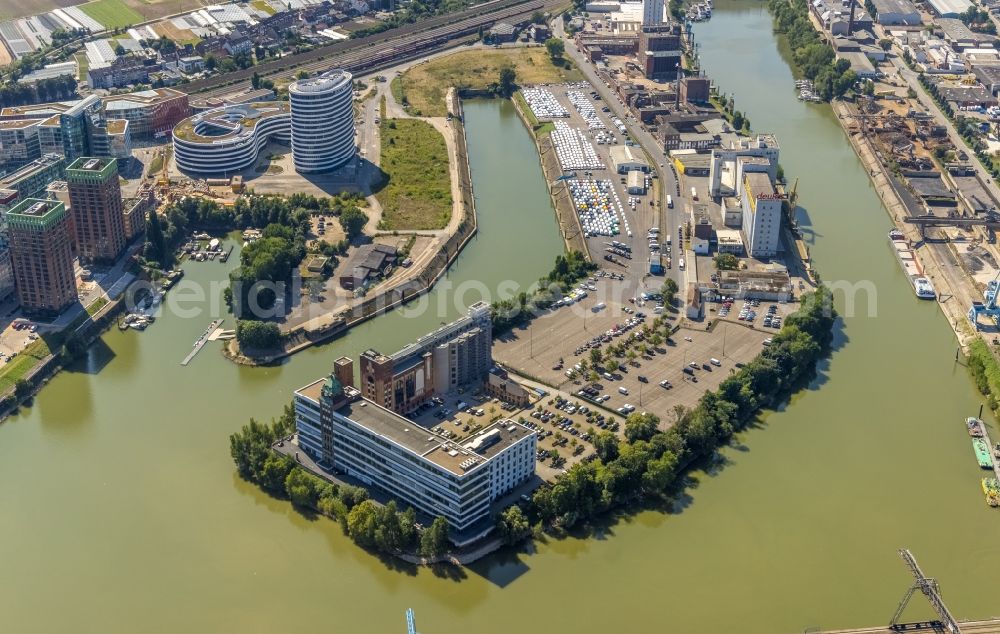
x,y
807,92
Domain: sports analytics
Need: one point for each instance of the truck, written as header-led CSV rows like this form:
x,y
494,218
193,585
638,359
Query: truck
x,y
670,201
694,193
680,264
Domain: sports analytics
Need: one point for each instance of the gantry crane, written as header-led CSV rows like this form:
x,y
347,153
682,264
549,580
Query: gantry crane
x,y
930,589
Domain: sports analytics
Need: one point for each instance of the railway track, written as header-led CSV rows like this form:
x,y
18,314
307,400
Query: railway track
x,y
381,50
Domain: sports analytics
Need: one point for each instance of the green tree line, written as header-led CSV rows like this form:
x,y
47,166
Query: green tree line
x,y
814,57
381,528
648,465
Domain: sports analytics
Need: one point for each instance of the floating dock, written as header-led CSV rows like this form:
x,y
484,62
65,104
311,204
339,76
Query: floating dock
x,y
202,340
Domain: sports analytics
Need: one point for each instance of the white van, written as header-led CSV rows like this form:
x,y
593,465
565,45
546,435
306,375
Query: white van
x,y
670,201
680,264
715,362
607,377
623,390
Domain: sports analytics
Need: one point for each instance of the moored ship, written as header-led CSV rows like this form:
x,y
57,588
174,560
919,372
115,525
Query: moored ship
x,y
922,286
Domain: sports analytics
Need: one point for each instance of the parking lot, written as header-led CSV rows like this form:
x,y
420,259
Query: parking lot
x,y
651,373
562,428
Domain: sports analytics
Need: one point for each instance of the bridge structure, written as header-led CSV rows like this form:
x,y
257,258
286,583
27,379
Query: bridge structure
x,y
945,623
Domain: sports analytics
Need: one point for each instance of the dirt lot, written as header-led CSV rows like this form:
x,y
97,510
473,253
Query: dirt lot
x,y
425,85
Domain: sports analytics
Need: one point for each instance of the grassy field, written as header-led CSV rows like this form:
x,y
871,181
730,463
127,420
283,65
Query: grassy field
x,y
23,363
112,13
82,66
416,192
148,9
425,85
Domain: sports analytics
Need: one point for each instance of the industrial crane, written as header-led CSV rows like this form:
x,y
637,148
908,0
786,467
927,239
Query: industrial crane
x,y
989,305
930,589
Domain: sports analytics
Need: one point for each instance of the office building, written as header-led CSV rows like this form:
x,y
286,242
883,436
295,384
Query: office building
x,y
457,354
761,215
31,180
41,256
322,121
229,139
19,143
346,433
150,113
96,203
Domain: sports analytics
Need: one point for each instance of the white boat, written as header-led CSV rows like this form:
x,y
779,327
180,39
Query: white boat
x,y
923,288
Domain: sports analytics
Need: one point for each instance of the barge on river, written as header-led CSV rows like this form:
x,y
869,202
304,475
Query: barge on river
x,y
911,266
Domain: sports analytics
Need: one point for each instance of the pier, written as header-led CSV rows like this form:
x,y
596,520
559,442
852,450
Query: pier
x,y
989,443
202,340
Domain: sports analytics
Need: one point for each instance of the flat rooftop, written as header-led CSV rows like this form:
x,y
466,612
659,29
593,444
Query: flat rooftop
x,y
447,454
228,122
328,81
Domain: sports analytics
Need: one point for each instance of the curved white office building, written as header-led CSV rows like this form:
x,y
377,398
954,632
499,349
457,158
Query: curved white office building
x,y
322,121
229,139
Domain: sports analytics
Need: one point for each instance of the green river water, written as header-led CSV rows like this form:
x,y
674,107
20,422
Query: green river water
x,y
120,510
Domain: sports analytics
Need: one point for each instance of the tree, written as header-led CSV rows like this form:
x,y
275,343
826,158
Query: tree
x,y
275,471
506,81
22,388
255,80
155,248
119,49
211,62
640,426
538,17
727,262
302,74
669,291
257,334
513,525
606,445
885,43
556,48
302,488
595,356
738,120
434,540
362,522
353,221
